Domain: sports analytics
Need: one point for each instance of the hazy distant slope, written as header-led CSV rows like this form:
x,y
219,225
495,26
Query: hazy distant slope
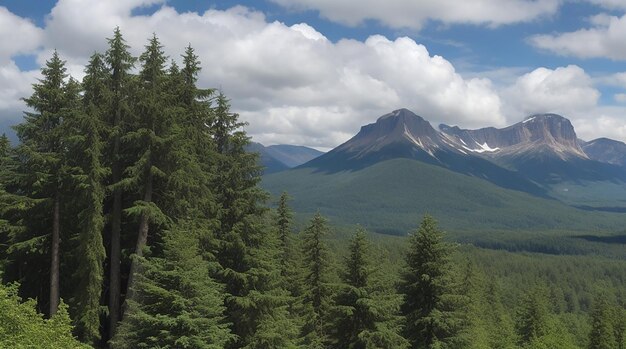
x,y
392,195
292,155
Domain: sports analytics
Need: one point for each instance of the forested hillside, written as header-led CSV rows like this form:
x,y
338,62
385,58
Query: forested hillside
x,y
131,217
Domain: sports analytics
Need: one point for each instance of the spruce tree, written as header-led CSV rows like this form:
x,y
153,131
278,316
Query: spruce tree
x,y
316,285
430,304
86,150
247,252
361,319
602,335
176,304
533,316
43,154
150,136
120,62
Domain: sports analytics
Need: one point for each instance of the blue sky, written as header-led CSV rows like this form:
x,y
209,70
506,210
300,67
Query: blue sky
x,y
312,72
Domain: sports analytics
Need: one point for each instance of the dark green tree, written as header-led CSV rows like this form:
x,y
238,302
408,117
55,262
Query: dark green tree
x,y
43,165
120,62
603,321
175,303
317,296
85,144
362,320
247,252
151,136
431,304
533,316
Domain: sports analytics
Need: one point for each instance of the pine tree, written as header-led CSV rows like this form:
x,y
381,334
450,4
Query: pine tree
x,y
430,304
602,335
150,135
120,62
42,151
533,316
316,288
176,304
247,251
86,150
361,319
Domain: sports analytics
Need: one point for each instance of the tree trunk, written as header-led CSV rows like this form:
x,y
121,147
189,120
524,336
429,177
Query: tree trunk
x,y
54,260
116,228
142,237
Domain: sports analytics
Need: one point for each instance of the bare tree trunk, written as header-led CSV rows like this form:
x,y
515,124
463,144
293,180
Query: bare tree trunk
x,y
116,228
142,237
54,260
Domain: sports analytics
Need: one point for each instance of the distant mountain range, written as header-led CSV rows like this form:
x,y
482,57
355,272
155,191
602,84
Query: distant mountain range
x,y
281,157
539,158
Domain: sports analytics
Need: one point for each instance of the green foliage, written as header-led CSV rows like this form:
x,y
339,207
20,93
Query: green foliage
x,y
363,316
431,302
317,295
88,176
22,327
176,304
464,203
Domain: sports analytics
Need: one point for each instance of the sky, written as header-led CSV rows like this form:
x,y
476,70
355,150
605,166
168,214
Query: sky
x,y
312,72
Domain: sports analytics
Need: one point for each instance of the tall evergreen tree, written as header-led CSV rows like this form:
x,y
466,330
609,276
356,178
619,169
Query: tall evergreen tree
x,y
176,303
120,62
533,316
42,151
430,298
316,288
247,251
86,150
150,135
362,320
602,335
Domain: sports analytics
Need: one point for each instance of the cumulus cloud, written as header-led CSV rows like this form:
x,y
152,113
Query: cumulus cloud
x,y
289,82
17,35
413,14
564,90
605,39
295,86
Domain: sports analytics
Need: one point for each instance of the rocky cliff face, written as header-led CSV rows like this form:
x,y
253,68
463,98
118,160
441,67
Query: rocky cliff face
x,y
542,134
606,150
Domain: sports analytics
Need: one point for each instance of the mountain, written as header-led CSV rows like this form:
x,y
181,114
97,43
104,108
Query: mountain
x,y
534,174
403,134
276,158
606,150
543,148
391,196
292,155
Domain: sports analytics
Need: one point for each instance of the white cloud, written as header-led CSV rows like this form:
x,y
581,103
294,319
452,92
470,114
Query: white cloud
x,y
564,90
413,14
606,39
294,86
620,97
290,82
17,35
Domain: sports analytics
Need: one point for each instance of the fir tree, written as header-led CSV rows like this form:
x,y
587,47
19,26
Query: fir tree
x,y
150,135
533,316
86,145
602,335
43,157
176,304
361,319
430,304
316,288
120,62
247,251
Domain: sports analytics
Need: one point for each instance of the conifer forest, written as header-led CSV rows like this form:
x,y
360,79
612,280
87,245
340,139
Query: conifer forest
x,y
132,216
